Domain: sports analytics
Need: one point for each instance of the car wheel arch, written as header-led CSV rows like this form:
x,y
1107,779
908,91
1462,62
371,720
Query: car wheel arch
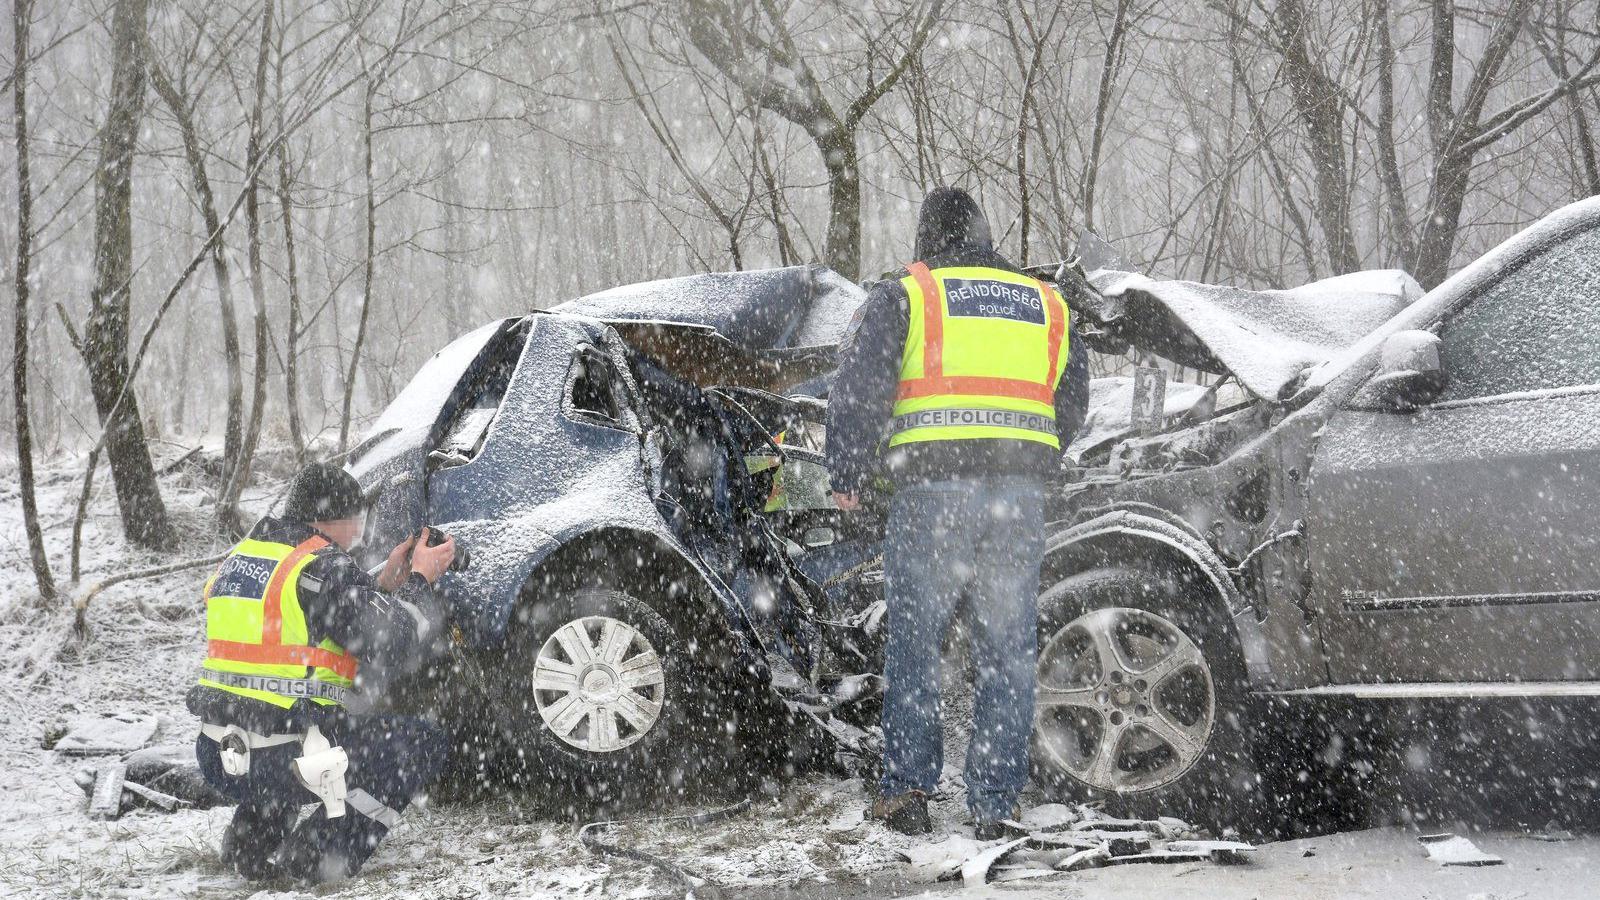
x,y
1126,538
688,604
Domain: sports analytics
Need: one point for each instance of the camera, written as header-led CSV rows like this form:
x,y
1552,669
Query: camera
x,y
436,536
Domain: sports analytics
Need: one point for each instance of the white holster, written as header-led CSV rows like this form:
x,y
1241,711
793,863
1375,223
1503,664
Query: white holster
x,y
234,745
321,769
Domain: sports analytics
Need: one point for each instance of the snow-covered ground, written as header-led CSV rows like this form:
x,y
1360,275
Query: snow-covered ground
x,y
809,841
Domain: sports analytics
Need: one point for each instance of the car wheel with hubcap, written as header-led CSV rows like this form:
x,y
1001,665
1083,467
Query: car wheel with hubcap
x,y
599,684
1138,700
593,695
1141,699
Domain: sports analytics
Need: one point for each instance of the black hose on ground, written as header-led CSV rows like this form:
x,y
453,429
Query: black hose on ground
x,y
693,885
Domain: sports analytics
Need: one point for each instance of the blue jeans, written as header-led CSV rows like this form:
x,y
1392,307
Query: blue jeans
x,y
982,540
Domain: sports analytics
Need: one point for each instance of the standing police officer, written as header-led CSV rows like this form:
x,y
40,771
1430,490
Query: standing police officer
x,y
298,639
969,364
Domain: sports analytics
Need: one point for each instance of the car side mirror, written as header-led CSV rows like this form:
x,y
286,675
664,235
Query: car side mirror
x,y
1410,374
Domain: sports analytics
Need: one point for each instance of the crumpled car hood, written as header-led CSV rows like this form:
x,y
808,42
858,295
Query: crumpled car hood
x,y
794,309
1265,339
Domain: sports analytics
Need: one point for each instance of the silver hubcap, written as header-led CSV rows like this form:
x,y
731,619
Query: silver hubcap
x,y
1125,700
599,685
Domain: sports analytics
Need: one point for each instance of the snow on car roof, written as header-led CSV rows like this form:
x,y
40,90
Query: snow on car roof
x,y
790,308
1266,339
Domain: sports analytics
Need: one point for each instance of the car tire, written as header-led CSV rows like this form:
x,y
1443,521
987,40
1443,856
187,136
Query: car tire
x,y
597,699
1165,729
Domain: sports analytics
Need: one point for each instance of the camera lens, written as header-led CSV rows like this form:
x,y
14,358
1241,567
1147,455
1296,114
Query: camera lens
x,y
436,537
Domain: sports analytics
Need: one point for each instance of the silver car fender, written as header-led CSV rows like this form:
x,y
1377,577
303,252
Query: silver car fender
x,y
1134,527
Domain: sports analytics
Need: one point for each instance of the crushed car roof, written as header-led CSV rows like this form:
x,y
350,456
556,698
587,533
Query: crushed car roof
x,y
795,308
1265,339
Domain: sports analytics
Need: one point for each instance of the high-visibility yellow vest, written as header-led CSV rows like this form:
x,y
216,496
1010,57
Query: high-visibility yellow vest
x,y
258,645
984,353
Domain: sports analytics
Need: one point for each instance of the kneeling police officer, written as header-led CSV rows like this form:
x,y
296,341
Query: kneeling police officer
x,y
299,639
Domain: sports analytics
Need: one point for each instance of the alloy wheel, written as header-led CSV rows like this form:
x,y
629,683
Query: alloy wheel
x,y
1125,700
599,684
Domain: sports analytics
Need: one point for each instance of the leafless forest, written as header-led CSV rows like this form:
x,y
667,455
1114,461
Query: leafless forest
x,y
252,219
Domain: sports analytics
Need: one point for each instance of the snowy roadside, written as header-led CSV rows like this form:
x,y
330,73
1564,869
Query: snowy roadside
x,y
1379,863
809,842
143,650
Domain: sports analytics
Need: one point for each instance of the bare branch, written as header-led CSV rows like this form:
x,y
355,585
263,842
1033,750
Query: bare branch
x,y
1515,115
863,104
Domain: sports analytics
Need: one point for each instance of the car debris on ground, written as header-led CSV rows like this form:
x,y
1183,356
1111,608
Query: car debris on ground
x,y
1055,838
105,735
164,778
1448,849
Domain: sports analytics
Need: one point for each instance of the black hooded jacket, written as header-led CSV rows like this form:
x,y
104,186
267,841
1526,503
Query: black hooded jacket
x,y
951,231
392,634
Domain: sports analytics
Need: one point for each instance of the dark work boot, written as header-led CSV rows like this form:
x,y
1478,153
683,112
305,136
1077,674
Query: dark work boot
x,y
987,829
253,837
906,813
323,850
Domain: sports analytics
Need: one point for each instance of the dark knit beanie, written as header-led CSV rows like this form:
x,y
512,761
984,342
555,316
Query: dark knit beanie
x,y
950,219
322,492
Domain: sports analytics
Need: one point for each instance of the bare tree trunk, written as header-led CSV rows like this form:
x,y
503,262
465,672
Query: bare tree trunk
x,y
841,250
1555,55
1458,134
105,332
1438,241
769,178
661,126
1585,138
21,25
291,340
1102,108
366,289
239,475
1388,158
194,153
1217,231
1458,130
1058,189
291,348
1029,81
724,33
81,511
1281,183
1317,101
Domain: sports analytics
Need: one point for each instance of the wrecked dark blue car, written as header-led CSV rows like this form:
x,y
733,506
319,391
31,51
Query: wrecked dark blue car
x,y
634,473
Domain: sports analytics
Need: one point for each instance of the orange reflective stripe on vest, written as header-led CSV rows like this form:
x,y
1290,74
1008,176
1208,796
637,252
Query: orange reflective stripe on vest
x,y
974,384
278,655
934,382
272,607
932,323
985,351
272,651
